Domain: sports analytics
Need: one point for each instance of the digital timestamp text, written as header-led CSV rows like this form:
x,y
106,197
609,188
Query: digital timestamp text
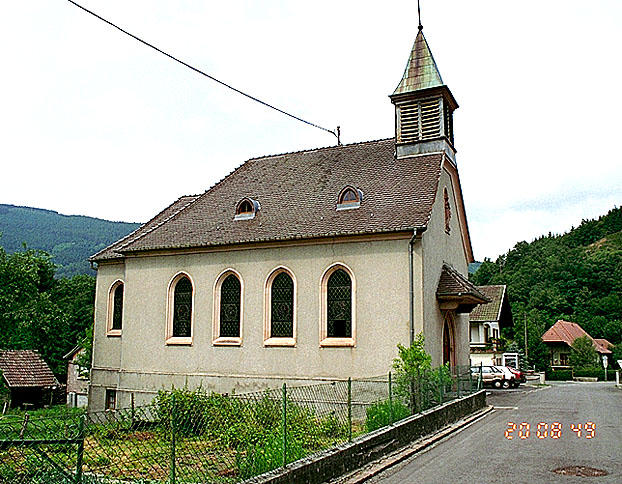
x,y
543,430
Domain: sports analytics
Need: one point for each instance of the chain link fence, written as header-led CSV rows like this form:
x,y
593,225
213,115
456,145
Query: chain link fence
x,y
190,436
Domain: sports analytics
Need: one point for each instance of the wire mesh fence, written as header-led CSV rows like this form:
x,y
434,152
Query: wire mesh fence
x,y
190,436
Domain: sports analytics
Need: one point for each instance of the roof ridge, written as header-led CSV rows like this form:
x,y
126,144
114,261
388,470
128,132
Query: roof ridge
x,y
119,242
320,148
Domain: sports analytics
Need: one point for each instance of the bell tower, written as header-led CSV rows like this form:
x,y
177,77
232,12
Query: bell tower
x,y
424,106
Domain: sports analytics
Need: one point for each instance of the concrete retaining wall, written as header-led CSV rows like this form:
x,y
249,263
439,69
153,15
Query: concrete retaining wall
x,y
362,450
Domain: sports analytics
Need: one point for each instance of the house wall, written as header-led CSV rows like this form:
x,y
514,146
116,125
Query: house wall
x,y
77,387
438,247
147,364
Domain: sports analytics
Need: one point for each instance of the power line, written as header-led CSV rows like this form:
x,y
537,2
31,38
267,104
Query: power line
x,y
335,133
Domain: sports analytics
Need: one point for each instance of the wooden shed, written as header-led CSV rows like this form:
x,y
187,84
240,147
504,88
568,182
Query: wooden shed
x,y
28,377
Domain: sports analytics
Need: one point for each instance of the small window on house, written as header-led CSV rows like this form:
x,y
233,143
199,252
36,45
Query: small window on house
x,y
246,209
115,309
228,309
280,309
447,211
111,399
337,308
349,197
180,314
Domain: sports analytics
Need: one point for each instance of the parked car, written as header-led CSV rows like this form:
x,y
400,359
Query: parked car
x,y
509,377
522,377
490,375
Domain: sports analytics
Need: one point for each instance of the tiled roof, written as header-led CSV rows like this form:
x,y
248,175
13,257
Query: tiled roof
x,y
603,343
297,194
454,284
567,332
176,206
490,311
25,368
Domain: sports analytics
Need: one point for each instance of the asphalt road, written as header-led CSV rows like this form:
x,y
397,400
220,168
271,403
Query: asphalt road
x,y
481,453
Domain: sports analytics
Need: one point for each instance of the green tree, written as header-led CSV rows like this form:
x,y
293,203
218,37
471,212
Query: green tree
x,y
583,354
40,312
411,368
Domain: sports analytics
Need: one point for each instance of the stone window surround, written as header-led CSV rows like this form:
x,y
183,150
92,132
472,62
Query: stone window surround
x,y
267,326
218,340
170,308
325,341
110,310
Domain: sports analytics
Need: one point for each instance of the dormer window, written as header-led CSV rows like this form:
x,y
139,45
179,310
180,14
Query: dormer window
x,y
246,209
349,198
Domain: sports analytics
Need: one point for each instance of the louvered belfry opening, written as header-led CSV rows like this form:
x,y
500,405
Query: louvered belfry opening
x,y
419,120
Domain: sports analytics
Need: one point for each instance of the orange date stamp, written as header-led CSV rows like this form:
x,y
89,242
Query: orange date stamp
x,y
544,430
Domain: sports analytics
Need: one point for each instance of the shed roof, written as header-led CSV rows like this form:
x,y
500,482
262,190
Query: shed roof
x,y
25,368
297,194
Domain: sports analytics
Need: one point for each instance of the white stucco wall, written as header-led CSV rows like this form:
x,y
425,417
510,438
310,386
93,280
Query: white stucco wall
x,y
147,364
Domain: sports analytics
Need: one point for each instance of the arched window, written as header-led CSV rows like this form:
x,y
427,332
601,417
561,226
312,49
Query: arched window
x,y
246,209
280,309
228,309
349,197
338,307
180,313
115,309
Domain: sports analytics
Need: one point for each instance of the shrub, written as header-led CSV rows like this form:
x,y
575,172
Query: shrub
x,y
267,455
558,375
379,414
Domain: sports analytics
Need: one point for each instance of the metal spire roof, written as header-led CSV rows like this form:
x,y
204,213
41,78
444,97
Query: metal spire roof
x,y
421,70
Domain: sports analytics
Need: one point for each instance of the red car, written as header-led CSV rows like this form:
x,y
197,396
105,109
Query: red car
x,y
520,376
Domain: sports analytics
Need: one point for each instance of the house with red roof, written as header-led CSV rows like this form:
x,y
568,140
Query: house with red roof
x,y
559,338
302,267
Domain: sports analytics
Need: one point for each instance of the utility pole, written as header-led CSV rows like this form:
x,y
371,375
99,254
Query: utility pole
x,y
526,347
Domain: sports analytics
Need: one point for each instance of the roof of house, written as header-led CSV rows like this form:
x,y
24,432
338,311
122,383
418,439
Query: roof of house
x,y
25,368
297,194
454,284
604,343
567,332
421,70
490,311
110,251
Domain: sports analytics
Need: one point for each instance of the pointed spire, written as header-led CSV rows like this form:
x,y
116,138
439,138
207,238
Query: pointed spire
x,y
421,70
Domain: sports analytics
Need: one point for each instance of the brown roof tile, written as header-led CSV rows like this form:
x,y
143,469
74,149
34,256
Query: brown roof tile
x,y
454,284
110,251
567,332
490,311
297,193
25,368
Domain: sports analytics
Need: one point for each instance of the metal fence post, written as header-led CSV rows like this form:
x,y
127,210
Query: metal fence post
x,y
441,384
284,424
349,409
80,455
172,469
480,382
391,399
470,381
458,379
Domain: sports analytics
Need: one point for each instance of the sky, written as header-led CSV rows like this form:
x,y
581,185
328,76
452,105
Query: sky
x,y
95,123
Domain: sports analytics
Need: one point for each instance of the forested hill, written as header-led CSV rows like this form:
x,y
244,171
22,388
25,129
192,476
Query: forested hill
x,y
576,276
70,239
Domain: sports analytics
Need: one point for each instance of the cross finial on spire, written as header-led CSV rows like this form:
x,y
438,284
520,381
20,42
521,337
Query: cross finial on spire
x,y
419,13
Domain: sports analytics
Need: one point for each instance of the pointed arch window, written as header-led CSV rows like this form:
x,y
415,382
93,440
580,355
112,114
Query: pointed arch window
x,y
338,309
180,313
280,309
447,210
349,198
114,323
228,309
